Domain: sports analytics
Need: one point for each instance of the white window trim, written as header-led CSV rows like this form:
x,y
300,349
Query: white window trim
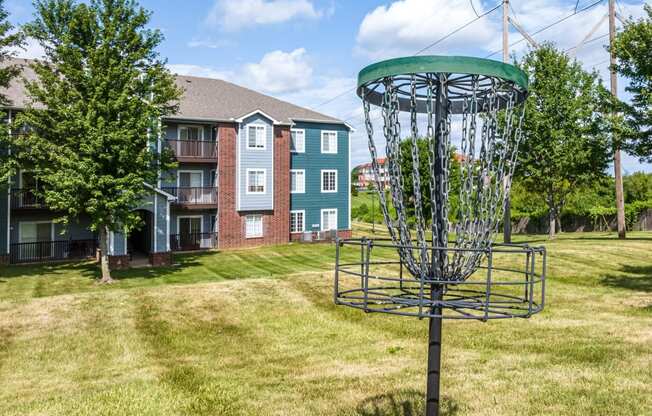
x,y
303,185
264,181
321,179
321,219
200,127
262,226
303,148
20,223
179,172
201,222
321,143
303,223
257,125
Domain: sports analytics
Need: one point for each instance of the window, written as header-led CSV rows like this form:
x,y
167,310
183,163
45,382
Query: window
x,y
191,133
298,142
297,181
256,179
329,142
255,136
328,219
297,221
329,181
189,226
254,226
33,232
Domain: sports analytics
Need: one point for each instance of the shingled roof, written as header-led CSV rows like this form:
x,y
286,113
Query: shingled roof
x,y
203,99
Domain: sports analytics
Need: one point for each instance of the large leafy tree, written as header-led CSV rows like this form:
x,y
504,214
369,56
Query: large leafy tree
x,y
95,109
633,49
564,143
9,40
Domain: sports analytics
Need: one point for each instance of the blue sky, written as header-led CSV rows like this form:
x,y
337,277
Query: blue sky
x,y
309,51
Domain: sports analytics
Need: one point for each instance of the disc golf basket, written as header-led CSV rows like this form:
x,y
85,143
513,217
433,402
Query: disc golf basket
x,y
440,261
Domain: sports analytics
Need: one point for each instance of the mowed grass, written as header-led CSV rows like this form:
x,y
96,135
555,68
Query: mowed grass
x,y
255,332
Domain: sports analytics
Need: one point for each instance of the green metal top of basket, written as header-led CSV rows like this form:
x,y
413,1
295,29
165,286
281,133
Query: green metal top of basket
x,y
441,64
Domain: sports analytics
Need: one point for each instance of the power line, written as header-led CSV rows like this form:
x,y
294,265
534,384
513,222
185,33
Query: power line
x,y
473,7
435,43
577,4
543,29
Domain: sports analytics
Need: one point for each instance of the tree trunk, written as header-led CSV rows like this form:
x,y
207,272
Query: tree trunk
x,y
559,224
104,258
553,222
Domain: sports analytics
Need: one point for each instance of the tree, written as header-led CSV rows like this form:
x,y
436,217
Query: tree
x,y
9,39
633,50
425,174
94,111
564,144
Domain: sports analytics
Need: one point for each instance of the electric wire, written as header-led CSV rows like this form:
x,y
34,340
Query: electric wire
x,y
435,43
543,29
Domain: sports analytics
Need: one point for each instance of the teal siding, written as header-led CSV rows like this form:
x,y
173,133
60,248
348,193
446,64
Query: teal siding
x,y
313,161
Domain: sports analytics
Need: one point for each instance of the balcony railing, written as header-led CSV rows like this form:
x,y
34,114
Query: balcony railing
x,y
194,195
196,149
25,198
193,241
45,251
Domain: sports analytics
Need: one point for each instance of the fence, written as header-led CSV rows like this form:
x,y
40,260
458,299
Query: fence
x,y
193,241
45,251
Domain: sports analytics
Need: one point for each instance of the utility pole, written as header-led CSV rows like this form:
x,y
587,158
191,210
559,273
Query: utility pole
x,y
507,214
620,202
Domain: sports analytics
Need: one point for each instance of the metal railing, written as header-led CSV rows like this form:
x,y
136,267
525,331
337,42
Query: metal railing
x,y
201,149
45,251
26,198
194,195
193,241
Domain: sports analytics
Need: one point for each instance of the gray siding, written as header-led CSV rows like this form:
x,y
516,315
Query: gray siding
x,y
158,205
171,130
206,219
77,230
170,178
255,159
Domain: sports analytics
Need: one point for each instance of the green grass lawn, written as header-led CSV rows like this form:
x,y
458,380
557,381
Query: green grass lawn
x,y
255,332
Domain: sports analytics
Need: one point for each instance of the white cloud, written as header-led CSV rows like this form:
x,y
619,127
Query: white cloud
x,y
200,71
209,43
277,72
30,50
406,26
233,15
280,71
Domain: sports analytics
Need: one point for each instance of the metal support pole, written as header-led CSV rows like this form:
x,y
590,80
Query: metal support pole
x,y
434,358
620,201
507,213
439,256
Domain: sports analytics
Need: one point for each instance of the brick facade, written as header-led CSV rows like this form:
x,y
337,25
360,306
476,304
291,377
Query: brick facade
x,y
118,262
276,222
160,259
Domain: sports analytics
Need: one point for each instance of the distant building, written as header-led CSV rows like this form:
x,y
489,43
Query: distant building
x,y
366,174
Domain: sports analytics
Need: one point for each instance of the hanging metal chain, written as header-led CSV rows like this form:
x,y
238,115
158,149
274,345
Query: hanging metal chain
x,y
488,149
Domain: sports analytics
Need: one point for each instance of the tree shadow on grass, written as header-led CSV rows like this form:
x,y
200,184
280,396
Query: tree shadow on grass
x,y
637,278
84,268
402,403
179,261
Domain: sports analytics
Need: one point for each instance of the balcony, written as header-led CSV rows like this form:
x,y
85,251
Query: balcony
x,y
26,199
193,241
46,251
201,151
194,197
